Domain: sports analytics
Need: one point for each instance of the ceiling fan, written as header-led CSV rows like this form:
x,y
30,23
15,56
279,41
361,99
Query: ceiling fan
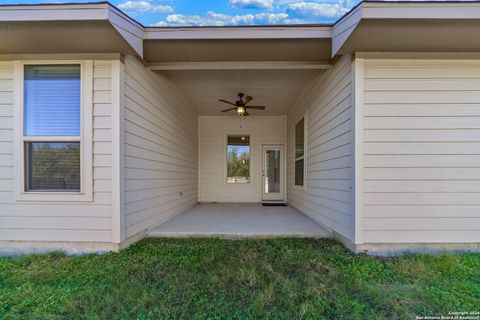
x,y
241,105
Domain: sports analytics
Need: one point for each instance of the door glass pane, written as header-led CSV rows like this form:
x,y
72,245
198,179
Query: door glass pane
x,y
53,166
272,174
238,159
300,139
52,100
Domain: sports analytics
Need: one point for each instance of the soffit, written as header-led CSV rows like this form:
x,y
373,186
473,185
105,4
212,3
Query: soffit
x,y
414,35
61,37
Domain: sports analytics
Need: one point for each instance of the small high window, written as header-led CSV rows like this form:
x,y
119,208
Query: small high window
x,y
238,159
300,152
51,127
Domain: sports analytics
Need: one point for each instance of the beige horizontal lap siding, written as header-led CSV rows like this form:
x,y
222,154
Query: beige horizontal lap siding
x,y
422,151
160,149
263,130
56,221
329,178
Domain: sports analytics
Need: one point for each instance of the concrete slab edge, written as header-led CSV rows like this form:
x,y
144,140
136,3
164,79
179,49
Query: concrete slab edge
x,y
233,236
19,248
399,249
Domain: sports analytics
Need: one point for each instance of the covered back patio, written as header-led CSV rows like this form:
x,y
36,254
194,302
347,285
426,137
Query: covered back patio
x,y
273,74
192,169
239,220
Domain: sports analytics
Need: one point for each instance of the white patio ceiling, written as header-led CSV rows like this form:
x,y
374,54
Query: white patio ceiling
x,y
276,89
273,71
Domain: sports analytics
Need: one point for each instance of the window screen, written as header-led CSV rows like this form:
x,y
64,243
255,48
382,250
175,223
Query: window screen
x,y
300,152
299,170
300,139
53,165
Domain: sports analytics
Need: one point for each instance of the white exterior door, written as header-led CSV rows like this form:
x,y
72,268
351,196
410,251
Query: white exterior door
x,y
273,172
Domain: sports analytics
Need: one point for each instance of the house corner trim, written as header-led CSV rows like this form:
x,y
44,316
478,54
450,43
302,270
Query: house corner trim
x,y
118,184
358,152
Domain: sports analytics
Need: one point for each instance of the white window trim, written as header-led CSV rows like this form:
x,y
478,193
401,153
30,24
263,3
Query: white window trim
x,y
86,127
225,148
304,157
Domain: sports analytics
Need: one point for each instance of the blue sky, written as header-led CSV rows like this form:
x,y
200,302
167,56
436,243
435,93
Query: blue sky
x,y
224,12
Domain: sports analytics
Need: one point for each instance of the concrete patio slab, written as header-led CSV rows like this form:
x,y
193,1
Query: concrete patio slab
x,y
239,220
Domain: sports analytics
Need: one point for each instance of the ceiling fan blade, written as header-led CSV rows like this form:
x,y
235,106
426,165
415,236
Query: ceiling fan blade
x,y
256,107
248,99
228,109
228,102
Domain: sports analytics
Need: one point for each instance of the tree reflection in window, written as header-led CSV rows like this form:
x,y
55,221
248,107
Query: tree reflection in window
x,y
53,166
238,159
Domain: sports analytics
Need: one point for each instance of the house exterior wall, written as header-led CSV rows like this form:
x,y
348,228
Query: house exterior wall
x,y
160,149
327,107
212,150
60,221
421,142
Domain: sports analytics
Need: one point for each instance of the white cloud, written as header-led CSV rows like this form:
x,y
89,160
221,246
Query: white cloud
x,y
140,6
252,4
288,12
271,18
219,19
317,10
342,3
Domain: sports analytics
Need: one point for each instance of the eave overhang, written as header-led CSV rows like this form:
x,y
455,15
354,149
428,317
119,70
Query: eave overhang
x,y
409,26
371,26
68,28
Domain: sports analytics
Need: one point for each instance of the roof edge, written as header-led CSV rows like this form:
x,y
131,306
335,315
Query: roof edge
x,y
415,9
135,32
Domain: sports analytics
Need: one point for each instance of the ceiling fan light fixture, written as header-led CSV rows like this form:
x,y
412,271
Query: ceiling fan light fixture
x,y
241,111
240,106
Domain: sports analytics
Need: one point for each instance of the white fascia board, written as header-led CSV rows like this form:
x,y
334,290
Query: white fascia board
x,y
54,12
130,30
419,10
344,28
293,32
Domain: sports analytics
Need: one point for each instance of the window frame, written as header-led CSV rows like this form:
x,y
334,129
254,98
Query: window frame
x,y
225,161
85,138
304,157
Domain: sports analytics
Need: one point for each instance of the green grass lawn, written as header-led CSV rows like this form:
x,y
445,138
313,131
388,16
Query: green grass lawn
x,y
249,279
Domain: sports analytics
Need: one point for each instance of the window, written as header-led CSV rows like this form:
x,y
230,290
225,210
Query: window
x,y
51,127
300,152
238,159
